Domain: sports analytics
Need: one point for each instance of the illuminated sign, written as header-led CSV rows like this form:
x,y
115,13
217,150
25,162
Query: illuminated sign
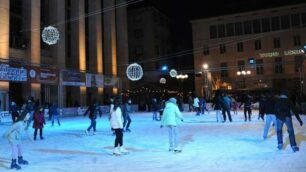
x,y
285,53
270,54
293,52
9,73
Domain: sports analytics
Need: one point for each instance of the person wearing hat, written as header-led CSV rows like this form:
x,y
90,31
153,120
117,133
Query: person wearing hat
x,y
284,107
172,118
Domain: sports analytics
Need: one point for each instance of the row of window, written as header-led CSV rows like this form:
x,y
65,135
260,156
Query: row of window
x,y
278,66
257,45
267,24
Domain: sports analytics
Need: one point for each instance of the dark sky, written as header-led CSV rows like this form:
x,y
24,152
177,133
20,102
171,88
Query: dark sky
x,y
181,12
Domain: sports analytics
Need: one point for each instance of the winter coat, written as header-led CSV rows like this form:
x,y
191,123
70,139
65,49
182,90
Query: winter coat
x,y
269,106
196,102
284,107
217,103
15,132
247,102
53,110
94,111
155,106
227,102
126,109
116,118
39,120
171,115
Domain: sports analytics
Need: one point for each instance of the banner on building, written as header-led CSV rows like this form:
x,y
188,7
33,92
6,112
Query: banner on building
x,y
72,78
10,73
43,75
94,80
111,81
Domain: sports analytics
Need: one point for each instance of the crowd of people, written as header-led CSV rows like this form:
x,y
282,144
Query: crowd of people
x,y
276,110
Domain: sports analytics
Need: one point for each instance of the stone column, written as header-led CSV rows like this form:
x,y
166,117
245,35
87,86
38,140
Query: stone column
x,y
31,31
78,45
122,43
110,45
58,51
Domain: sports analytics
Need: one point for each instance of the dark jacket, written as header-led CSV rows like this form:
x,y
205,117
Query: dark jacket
x,y
269,106
284,107
247,102
53,110
217,103
93,110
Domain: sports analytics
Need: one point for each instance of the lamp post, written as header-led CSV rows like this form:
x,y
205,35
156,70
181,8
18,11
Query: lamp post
x,y
205,69
243,73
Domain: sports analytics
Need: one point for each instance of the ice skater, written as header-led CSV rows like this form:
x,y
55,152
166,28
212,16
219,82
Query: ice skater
x,y
172,118
262,101
14,137
284,107
226,107
14,111
269,110
203,106
93,110
155,109
217,103
126,110
117,125
247,102
54,112
39,121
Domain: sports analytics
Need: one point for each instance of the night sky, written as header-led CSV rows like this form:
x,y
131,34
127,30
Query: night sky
x,y
181,12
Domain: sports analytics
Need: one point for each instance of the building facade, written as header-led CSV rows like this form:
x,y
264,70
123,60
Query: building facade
x,y
93,39
254,50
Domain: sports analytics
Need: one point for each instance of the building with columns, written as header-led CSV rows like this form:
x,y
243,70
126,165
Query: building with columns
x,y
93,39
254,50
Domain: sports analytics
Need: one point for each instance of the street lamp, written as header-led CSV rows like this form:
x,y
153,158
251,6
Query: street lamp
x,y
205,67
243,73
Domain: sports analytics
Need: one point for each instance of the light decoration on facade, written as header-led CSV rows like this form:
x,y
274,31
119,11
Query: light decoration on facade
x,y
173,73
162,81
50,35
134,72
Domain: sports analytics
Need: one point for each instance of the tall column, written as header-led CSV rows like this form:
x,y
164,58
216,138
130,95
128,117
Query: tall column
x,y
95,43
110,49
122,43
4,38
31,30
58,51
78,47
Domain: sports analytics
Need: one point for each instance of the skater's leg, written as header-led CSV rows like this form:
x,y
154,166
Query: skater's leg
x,y
289,125
41,133
170,132
267,125
94,125
279,133
128,122
176,138
35,133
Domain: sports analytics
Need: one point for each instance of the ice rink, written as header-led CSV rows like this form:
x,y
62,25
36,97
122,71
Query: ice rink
x,y
206,145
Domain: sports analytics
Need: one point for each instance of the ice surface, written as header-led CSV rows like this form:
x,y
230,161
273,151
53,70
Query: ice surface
x,y
207,146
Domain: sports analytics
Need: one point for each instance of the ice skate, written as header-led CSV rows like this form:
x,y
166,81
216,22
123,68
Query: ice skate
x,y
279,146
15,165
116,151
22,161
295,148
177,150
86,132
123,150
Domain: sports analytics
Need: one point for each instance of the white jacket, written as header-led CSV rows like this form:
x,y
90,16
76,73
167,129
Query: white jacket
x,y
116,118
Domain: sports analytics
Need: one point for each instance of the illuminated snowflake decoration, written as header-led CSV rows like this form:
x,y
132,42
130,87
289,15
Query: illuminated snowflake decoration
x,y
173,73
134,72
162,81
50,35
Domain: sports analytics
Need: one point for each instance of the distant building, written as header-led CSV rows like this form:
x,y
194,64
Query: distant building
x,y
265,45
93,39
149,42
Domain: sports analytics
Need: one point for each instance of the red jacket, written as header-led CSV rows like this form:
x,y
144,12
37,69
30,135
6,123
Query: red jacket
x,y
39,120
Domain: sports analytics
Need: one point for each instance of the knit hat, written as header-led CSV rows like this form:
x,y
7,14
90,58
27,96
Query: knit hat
x,y
172,100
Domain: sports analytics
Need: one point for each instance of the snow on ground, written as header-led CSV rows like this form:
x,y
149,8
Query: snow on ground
x,y
207,146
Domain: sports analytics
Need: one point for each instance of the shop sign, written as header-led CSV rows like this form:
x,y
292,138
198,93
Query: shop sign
x,y
9,73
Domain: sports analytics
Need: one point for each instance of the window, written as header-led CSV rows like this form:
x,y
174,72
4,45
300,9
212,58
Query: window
x,y
230,29
221,31
256,26
278,65
276,42
298,63
266,25
241,65
296,40
240,47
222,49
138,33
247,27
238,28
258,44
139,51
285,22
224,70
295,20
275,23
304,19
259,67
206,51
213,32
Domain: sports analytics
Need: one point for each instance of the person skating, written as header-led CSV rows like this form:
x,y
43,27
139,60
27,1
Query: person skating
x,y
247,102
54,112
39,121
226,107
14,137
262,101
217,105
269,111
284,107
126,110
196,105
172,118
117,125
93,110
155,109
203,106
